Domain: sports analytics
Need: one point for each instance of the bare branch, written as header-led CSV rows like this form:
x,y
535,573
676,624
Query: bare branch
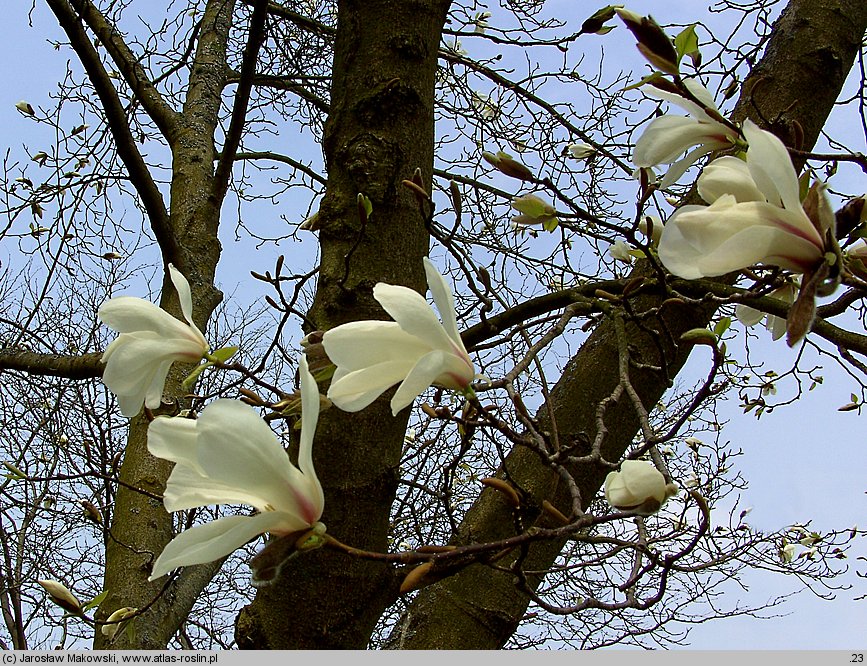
x,y
55,365
116,118
255,40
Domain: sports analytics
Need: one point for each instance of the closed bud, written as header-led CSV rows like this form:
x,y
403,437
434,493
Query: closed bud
x,y
91,512
508,165
596,23
699,336
311,223
61,596
580,151
638,487
415,579
852,214
113,622
505,488
651,226
653,43
25,108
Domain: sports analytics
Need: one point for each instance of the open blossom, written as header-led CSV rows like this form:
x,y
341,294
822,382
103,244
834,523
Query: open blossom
x,y
668,137
755,216
230,456
415,349
620,251
150,340
580,151
639,487
533,210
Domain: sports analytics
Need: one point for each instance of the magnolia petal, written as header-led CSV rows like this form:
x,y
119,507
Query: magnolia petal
x,y
771,167
643,480
678,168
239,450
173,439
154,393
699,91
777,326
412,312
136,368
128,314
668,137
726,236
353,391
209,542
728,175
185,296
445,302
360,344
423,374
309,419
188,488
688,260
748,316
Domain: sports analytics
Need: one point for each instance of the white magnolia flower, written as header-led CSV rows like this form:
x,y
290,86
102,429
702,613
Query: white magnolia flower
x,y
776,325
415,349
150,340
581,151
533,210
230,456
639,487
668,137
620,251
755,216
483,104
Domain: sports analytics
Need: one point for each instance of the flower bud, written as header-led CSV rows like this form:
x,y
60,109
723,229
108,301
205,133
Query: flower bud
x,y
109,630
653,43
852,214
699,336
508,165
61,596
532,205
620,251
596,23
91,512
651,226
24,107
638,487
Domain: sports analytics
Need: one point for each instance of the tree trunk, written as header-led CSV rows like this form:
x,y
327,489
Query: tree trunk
x,y
141,527
379,131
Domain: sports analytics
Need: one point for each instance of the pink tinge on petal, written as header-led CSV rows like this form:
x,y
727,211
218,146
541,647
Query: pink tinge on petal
x,y
458,381
800,233
310,513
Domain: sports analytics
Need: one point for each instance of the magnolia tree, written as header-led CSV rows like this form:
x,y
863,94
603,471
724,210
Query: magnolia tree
x,y
324,458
